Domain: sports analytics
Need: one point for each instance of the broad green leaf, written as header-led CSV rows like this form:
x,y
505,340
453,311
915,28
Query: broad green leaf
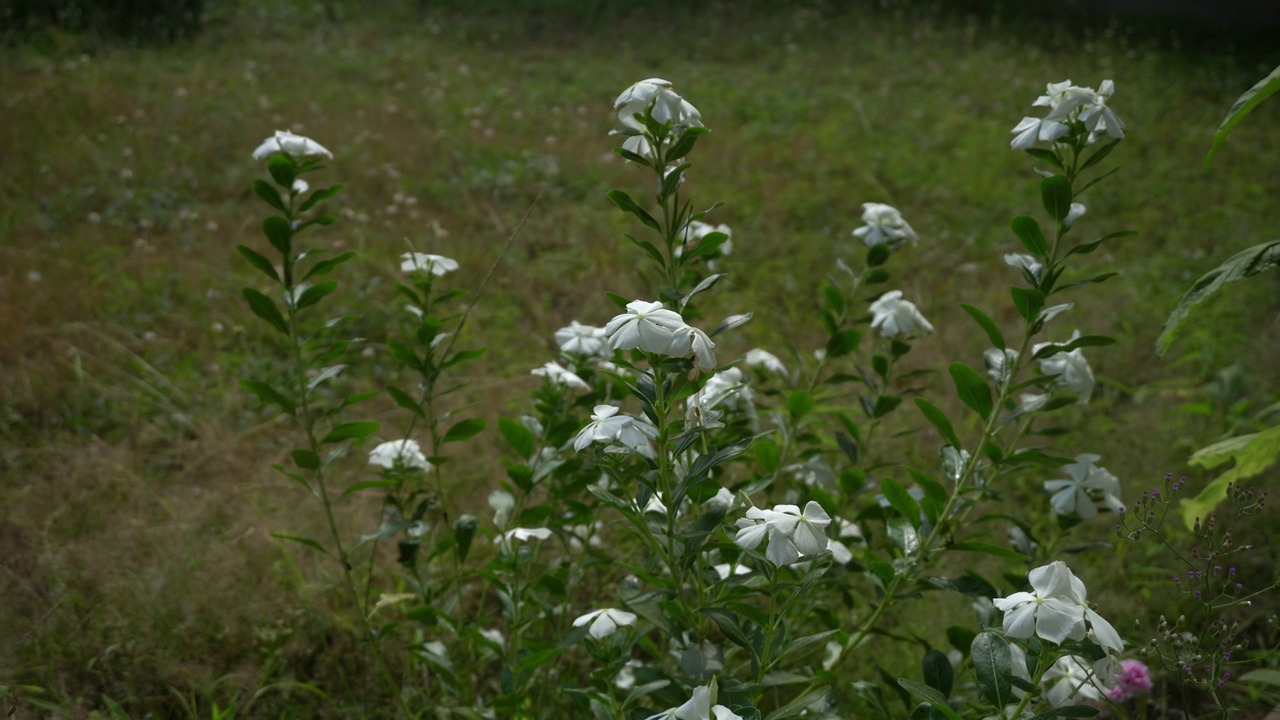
x,y
315,293
1241,265
972,389
939,419
1028,231
351,431
320,196
1028,301
283,169
626,204
938,673
1243,106
628,155
464,430
1252,454
258,260
885,404
768,455
462,356
731,627
1045,155
648,249
263,307
843,342
987,548
1266,676
278,232
685,143
900,500
993,664
268,394
306,459
304,541
925,694
1055,192
993,332
519,437
269,194
799,403
805,701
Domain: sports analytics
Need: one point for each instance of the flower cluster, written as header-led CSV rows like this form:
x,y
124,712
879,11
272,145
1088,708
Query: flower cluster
x,y
898,318
403,453
437,265
1069,104
1071,367
792,534
884,226
701,706
659,99
650,327
295,146
1075,496
1057,608
607,426
605,622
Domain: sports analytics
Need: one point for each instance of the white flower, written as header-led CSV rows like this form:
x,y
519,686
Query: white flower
x,y
655,505
727,387
724,570
698,707
437,265
723,498
560,376
1031,130
579,339
896,317
290,144
1099,119
1026,262
791,533
696,230
1076,212
884,226
1072,369
691,340
1000,363
1049,611
647,326
608,426
1073,496
300,186
1071,680
494,636
406,453
658,94
763,358
503,504
523,534
605,622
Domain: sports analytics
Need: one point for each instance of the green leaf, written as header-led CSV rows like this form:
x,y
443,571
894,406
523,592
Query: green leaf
x,y
993,332
972,389
993,664
805,701
259,261
799,403
351,431
684,145
464,531
939,420
938,673
305,541
988,549
1252,454
1028,231
885,404
306,459
462,356
464,430
901,500
1266,676
1028,301
626,204
1083,341
878,255
402,399
671,180
263,307
843,342
324,267
368,485
648,249
278,232
519,437
768,455
269,194
628,155
1068,711
268,394
1243,106
731,628
925,694
1045,155
315,293
1099,155
1086,248
283,169
320,196
1241,265
1055,193
616,299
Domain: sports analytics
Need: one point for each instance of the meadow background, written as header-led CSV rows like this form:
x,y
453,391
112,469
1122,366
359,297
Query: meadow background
x,y
137,571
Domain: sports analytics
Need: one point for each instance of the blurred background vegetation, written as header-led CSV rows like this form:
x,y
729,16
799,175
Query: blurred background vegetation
x,y
137,570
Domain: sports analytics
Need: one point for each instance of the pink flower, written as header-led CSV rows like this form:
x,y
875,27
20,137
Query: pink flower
x,y
1133,680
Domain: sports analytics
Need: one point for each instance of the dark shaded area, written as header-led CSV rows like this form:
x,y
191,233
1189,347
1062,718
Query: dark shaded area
x,y
130,20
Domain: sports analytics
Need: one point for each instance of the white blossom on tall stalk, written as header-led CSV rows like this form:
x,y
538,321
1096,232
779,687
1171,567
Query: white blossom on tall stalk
x,y
605,622
1075,496
660,95
584,340
1069,103
405,453
895,317
1070,681
296,146
728,388
791,533
767,360
647,326
437,265
691,340
503,504
607,426
1071,367
1025,262
699,707
560,376
884,226
1057,608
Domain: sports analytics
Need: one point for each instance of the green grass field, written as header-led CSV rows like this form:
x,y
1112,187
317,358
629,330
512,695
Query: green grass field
x,y
137,500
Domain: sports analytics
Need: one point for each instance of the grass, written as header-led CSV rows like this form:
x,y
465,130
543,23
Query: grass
x,y
138,499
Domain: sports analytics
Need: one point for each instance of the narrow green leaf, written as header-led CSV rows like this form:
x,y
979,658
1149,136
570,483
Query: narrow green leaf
x,y
939,420
257,260
351,431
1068,711
626,204
1243,106
684,145
1028,301
1082,341
268,394
1028,231
648,249
316,293
1055,192
632,157
305,541
306,459
1241,265
843,342
278,232
805,701
320,196
464,430
923,693
1045,155
269,194
462,356
972,389
993,332
402,399
993,664
324,267
988,549
368,485
885,404
799,403
901,500
731,628
263,307
519,437
1086,248
1100,154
